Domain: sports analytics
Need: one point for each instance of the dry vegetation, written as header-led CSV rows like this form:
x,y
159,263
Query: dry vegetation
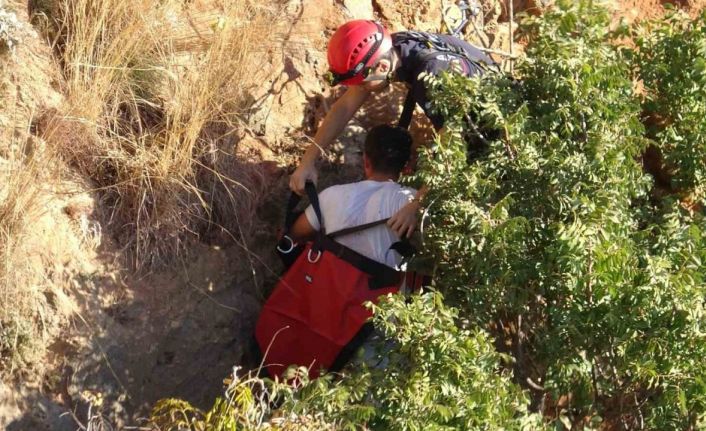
x,y
155,127
21,277
152,118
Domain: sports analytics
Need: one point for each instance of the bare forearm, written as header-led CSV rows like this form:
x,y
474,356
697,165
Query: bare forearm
x,y
335,121
330,129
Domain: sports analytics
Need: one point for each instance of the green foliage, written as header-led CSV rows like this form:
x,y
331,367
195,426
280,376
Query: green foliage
x,y
431,375
248,405
549,237
435,375
671,61
552,228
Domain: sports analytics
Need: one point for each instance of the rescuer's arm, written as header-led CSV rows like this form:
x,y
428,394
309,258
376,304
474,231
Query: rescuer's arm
x,y
404,222
333,124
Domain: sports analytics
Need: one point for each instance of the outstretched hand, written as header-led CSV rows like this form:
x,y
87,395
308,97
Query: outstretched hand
x,y
300,176
404,222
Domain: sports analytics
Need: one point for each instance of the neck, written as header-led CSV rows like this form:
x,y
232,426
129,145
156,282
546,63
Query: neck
x,y
375,176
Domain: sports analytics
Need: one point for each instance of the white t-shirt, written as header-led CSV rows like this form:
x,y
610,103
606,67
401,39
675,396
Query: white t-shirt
x,y
349,205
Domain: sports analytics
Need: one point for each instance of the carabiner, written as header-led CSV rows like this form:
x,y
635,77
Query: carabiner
x,y
318,256
292,245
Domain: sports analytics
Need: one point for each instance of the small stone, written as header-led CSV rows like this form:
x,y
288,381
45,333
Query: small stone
x,y
359,9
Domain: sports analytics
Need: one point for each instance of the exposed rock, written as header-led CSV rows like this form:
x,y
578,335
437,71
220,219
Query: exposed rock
x,y
532,7
501,41
292,75
421,15
359,9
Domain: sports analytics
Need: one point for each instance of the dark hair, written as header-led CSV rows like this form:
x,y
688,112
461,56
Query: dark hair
x,y
388,148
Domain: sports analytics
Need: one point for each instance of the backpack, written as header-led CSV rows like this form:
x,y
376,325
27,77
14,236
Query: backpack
x,y
315,316
435,46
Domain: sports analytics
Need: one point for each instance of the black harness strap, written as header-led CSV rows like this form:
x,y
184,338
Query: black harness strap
x,y
290,216
314,199
403,247
381,275
358,228
407,110
349,349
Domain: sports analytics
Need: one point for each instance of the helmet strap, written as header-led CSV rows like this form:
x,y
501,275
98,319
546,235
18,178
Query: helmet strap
x,y
336,78
387,76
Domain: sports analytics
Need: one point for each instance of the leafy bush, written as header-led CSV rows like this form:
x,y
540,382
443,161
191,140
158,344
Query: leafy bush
x,y
433,375
552,234
671,62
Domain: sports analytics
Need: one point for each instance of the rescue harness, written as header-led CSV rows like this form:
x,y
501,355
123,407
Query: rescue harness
x,y
316,315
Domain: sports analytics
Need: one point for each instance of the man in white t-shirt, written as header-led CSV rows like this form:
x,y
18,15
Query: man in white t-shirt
x,y
378,197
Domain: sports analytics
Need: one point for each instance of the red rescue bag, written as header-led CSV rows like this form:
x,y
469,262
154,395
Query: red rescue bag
x,y
316,317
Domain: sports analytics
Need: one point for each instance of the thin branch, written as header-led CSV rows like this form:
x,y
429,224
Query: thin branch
x,y
506,144
476,130
512,25
479,34
639,411
499,52
594,381
511,33
534,385
519,344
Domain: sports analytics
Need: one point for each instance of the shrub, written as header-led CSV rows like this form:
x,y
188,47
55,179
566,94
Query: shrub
x,y
551,235
671,62
433,375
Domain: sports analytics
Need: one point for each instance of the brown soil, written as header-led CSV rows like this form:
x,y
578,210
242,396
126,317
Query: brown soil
x,y
640,10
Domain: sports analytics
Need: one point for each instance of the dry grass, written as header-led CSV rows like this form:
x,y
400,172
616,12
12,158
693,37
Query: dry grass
x,y
22,278
154,127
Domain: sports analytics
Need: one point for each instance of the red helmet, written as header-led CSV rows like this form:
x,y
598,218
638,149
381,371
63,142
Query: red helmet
x,y
354,49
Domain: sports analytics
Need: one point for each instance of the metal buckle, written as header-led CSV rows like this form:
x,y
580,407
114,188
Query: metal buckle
x,y
292,244
318,256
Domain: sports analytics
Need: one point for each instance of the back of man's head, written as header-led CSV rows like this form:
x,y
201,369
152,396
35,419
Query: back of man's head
x,y
388,149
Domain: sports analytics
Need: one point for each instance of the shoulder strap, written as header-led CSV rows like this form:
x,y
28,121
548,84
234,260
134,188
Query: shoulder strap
x,y
313,196
358,228
407,111
290,216
314,199
402,247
